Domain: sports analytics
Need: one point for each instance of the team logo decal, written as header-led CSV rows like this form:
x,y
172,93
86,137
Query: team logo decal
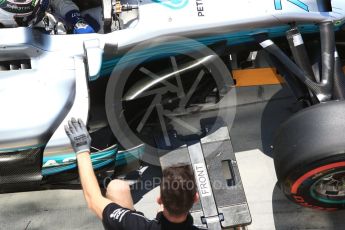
x,y
173,4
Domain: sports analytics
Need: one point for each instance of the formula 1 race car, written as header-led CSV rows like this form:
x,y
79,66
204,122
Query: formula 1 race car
x,y
134,83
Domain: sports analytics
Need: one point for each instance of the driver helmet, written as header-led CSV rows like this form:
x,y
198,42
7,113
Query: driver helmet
x,y
22,12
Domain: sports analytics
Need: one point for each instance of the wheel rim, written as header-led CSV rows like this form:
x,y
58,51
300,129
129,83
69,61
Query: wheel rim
x,y
330,188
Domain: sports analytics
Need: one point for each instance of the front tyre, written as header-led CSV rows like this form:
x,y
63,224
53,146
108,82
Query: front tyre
x,y
309,157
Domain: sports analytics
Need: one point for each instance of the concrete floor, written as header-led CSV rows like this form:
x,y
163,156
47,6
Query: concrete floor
x,y
270,209
259,111
65,209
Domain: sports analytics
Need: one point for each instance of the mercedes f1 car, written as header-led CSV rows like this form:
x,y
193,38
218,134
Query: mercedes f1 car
x,y
133,82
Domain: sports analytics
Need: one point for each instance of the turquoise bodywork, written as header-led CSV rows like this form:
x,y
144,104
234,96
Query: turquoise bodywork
x,y
232,39
66,162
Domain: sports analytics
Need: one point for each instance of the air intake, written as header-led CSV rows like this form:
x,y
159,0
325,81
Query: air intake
x,y
15,65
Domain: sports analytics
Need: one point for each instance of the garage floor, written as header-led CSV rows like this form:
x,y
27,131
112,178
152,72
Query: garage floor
x,y
259,111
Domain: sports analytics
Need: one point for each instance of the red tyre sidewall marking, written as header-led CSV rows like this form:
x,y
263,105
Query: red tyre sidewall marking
x,y
297,184
311,173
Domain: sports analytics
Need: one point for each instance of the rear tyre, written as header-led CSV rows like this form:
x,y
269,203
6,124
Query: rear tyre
x,y
309,157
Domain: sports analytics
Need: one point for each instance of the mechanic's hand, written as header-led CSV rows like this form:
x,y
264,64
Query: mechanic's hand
x,y
78,135
80,26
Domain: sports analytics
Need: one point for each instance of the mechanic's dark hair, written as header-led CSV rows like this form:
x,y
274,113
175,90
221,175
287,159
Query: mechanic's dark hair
x,y
178,189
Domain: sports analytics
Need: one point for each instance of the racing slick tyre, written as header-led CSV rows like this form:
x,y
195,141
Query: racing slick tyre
x,y
309,157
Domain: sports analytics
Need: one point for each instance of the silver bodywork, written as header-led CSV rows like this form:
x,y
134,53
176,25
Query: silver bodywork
x,y
35,103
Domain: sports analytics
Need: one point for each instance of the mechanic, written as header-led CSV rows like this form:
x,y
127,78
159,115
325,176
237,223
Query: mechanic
x,y
178,192
29,13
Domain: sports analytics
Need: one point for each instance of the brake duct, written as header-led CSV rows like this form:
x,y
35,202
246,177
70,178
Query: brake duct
x,y
332,80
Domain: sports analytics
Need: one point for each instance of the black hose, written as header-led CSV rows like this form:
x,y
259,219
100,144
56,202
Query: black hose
x,y
291,66
299,51
324,89
339,80
299,90
327,54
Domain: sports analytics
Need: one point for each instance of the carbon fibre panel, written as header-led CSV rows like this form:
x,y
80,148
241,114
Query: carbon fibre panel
x,y
21,171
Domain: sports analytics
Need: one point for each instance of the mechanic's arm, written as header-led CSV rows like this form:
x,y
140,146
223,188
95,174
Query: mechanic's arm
x,y
92,193
81,140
